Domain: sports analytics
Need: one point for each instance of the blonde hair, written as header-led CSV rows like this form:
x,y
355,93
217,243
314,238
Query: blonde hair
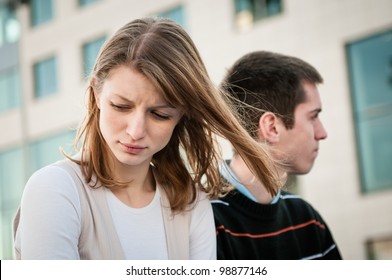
x,y
162,51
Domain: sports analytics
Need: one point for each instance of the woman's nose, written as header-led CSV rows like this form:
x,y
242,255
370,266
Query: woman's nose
x,y
136,127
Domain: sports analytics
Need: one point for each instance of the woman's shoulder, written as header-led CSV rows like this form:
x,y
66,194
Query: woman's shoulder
x,y
52,178
52,170
202,195
202,202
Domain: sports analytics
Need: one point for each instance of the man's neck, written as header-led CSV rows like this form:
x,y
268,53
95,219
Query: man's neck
x,y
252,183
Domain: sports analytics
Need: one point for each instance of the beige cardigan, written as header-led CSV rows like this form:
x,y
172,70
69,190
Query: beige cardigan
x,y
98,239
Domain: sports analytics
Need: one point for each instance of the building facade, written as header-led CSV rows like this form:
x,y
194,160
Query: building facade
x,y
47,48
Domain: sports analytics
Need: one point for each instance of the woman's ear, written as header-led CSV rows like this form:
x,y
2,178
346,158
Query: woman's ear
x,y
269,128
96,95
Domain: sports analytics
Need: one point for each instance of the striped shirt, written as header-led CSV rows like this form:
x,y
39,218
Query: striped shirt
x,y
288,229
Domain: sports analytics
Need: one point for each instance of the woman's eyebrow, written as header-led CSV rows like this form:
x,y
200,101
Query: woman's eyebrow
x,y
121,97
163,105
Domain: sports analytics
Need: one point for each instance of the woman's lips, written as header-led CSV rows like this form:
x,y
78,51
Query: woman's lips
x,y
133,149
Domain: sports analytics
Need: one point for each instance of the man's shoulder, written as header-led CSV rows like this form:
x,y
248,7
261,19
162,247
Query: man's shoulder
x,y
225,206
227,200
297,204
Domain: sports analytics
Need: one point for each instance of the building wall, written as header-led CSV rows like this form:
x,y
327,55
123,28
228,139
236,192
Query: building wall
x,y
314,30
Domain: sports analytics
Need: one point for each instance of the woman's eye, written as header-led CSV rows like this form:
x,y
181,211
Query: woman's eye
x,y
161,116
119,107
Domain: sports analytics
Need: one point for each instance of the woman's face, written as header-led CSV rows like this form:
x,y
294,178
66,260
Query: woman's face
x,y
135,120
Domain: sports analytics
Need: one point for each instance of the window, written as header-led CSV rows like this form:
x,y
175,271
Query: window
x,y
380,249
249,11
176,14
45,77
9,26
41,11
87,2
12,180
370,70
47,151
90,53
10,91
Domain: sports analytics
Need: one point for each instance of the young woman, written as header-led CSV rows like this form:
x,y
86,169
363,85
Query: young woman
x,y
140,185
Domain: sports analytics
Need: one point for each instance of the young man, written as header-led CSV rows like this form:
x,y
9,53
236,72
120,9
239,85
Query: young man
x,y
284,113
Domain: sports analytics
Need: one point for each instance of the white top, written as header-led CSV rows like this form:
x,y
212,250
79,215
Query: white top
x,y
50,225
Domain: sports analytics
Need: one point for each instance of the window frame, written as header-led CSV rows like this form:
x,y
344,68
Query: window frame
x,y
13,89
87,69
82,3
40,89
249,12
172,13
365,117
37,11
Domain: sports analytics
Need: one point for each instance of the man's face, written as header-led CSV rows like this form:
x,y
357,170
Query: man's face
x,y
298,146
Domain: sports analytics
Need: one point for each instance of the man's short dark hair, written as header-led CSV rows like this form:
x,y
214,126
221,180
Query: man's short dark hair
x,y
269,81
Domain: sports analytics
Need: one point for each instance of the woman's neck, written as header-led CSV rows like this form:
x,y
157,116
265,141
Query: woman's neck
x,y
140,188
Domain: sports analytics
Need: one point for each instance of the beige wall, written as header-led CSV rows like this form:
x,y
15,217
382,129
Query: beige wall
x,y
314,30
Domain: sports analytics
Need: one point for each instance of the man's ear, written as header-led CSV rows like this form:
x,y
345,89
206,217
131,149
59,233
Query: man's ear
x,y
269,128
